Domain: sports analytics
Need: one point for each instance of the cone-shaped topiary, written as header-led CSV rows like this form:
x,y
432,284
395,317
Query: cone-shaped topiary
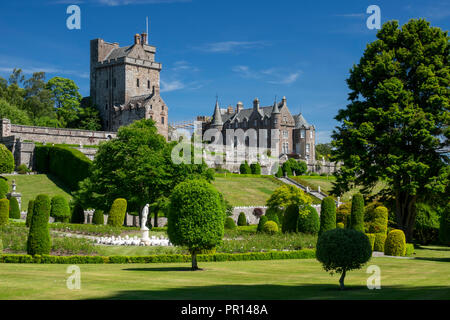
x,y
117,213
6,160
270,227
29,213
279,173
14,211
242,220
357,213
4,212
77,214
261,223
98,217
380,239
327,215
245,168
60,209
290,219
4,188
256,168
39,241
395,244
309,223
230,224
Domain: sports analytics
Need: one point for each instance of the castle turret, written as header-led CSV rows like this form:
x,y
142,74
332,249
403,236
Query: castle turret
x,y
217,118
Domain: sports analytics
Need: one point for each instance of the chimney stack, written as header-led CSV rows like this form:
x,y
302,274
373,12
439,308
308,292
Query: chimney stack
x,y
256,104
239,107
144,38
137,39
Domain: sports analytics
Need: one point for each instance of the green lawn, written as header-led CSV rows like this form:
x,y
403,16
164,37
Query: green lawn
x,y
425,277
246,191
31,186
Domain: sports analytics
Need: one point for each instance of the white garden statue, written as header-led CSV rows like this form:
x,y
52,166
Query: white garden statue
x,y
144,218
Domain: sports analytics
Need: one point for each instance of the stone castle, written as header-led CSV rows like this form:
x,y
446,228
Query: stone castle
x,y
125,84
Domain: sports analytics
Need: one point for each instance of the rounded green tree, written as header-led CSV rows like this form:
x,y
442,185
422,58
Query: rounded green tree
x,y
116,215
29,213
4,212
270,227
357,213
60,209
230,224
395,244
309,222
14,211
6,160
196,217
342,250
39,241
327,215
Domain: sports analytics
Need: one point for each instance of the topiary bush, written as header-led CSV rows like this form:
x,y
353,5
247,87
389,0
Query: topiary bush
x,y
444,229
327,215
242,220
290,219
343,213
380,239
4,188
230,224
395,244
287,170
4,212
261,223
371,237
255,168
60,209
23,169
39,241
279,173
342,250
310,222
379,223
340,225
245,168
29,213
272,215
14,211
117,213
409,249
77,215
357,213
98,218
6,160
270,227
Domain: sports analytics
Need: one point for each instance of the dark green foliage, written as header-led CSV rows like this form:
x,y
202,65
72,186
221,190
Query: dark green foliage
x,y
39,241
256,168
327,215
395,244
376,219
444,231
4,211
292,166
242,219
117,213
273,215
343,213
371,237
60,209
230,224
6,160
287,170
380,239
261,223
426,230
98,218
279,173
340,225
357,213
70,165
196,217
4,188
342,250
14,211
29,213
310,222
290,219
77,213
245,168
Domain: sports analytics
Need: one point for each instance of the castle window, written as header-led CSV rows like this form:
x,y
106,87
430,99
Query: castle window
x,y
285,134
162,120
106,84
310,134
137,83
307,148
162,108
284,119
148,84
114,82
275,121
302,134
106,106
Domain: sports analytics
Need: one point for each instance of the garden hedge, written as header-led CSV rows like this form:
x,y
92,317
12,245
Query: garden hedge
x,y
29,213
230,224
245,168
14,211
6,160
409,249
159,258
371,237
327,215
380,239
98,218
117,213
378,220
309,223
60,209
4,188
357,213
242,220
395,244
4,212
39,241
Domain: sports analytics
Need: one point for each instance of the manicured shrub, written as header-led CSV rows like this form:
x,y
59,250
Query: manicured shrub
x,y
270,227
6,160
261,223
60,209
444,230
98,218
245,168
39,241
310,222
77,213
342,250
14,211
29,213
4,212
327,215
380,239
371,237
409,249
287,170
23,169
343,213
4,188
256,168
117,213
340,225
230,224
395,244
242,219
290,219
279,173
272,215
379,220
357,213
196,217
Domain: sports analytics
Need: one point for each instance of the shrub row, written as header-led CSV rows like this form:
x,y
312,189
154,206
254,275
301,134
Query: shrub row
x,y
169,258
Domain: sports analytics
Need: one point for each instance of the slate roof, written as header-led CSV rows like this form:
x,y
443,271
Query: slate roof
x,y
119,53
300,122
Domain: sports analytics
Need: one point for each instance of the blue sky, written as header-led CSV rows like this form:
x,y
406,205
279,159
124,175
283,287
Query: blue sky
x,y
237,49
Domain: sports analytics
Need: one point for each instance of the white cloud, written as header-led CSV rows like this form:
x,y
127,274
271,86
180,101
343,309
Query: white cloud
x,y
168,86
231,46
273,76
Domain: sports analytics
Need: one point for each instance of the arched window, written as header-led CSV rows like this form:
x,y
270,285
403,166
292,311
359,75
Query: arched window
x,y
137,83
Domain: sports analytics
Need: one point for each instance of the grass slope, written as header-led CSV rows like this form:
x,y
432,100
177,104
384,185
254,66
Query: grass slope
x,y
420,278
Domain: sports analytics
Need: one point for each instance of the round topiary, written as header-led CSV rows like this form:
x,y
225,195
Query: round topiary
x,y
340,225
261,223
270,227
444,229
380,239
245,168
290,219
14,211
196,217
395,244
342,250
327,215
310,222
98,218
77,214
4,212
117,213
357,213
60,209
29,213
39,241
380,220
6,160
230,224
242,220
4,188
272,215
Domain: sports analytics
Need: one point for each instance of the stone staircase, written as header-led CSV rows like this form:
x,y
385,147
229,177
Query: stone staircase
x,y
315,193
